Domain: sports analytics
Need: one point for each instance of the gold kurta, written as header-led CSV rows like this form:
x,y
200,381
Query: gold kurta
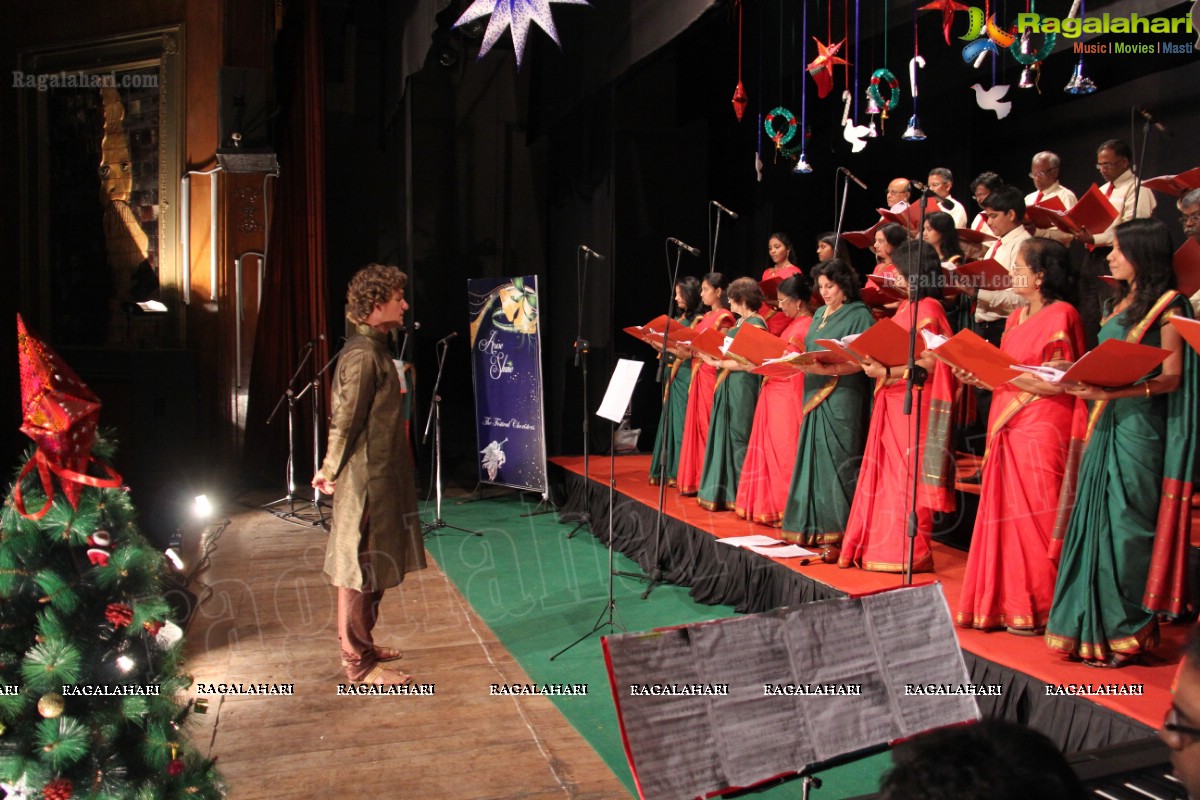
x,y
370,460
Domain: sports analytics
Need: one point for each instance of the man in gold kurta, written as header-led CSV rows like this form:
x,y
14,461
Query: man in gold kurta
x,y
375,537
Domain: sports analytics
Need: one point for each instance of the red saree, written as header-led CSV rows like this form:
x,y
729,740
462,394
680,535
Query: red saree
x,y
771,454
699,409
876,530
777,321
1009,581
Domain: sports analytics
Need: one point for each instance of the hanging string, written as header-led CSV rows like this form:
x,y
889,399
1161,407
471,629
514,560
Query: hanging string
x,y
846,39
740,9
803,83
885,33
857,20
780,26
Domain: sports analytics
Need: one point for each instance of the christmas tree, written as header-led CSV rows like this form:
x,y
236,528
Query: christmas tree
x,y
92,692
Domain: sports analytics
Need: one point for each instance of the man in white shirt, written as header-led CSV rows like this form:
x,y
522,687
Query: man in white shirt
x,y
898,192
1112,160
1189,207
1044,171
941,181
1005,210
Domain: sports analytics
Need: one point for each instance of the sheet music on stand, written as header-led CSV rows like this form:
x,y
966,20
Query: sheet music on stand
x,y
714,706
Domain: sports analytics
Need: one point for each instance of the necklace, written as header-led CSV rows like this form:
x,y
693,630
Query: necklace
x,y
825,317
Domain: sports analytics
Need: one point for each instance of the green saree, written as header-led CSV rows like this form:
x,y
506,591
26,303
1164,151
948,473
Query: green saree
x,y
674,410
1124,552
837,412
729,432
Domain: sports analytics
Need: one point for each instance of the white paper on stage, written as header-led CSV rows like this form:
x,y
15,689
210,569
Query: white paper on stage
x,y
757,540
787,551
802,686
620,389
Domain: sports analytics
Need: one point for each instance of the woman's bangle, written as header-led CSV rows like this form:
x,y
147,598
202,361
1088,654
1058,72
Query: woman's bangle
x,y
1147,385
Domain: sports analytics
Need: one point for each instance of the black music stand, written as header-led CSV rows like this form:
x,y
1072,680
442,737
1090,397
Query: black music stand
x,y
616,400
290,395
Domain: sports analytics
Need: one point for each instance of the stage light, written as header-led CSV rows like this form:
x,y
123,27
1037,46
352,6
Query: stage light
x,y
201,507
125,663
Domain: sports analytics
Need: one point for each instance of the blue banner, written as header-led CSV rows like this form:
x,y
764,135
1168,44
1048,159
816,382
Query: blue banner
x,y
506,365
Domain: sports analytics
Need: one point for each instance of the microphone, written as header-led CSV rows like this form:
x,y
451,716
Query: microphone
x,y
446,339
920,187
852,177
313,341
416,326
591,252
693,250
1146,115
732,214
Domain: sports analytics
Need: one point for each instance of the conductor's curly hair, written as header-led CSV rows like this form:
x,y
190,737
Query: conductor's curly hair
x,y
372,285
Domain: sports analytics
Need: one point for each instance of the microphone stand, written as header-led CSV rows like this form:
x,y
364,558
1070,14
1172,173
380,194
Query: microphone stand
x,y
837,232
655,577
914,384
289,394
582,346
315,385
1137,168
712,263
435,419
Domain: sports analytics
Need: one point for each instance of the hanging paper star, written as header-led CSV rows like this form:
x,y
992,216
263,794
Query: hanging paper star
x,y
948,9
514,14
821,66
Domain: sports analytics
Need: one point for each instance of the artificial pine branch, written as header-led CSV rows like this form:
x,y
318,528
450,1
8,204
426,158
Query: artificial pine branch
x,y
63,741
49,665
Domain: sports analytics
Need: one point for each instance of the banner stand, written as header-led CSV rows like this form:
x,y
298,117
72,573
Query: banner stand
x,y
506,371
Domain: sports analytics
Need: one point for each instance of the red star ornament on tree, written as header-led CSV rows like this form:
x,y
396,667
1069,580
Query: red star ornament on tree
x,y
821,67
60,413
948,9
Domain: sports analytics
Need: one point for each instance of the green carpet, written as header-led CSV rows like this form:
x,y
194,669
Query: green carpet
x,y
539,591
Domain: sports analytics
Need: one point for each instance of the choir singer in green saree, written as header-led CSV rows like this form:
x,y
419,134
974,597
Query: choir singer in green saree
x,y
837,409
1124,552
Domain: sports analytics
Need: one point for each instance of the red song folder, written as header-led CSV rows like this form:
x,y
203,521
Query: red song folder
x,y
969,351
1175,185
885,341
753,345
986,274
1093,211
1116,362
652,331
1187,267
1189,329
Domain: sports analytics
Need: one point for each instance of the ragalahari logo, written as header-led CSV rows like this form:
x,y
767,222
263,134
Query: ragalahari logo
x,y
985,36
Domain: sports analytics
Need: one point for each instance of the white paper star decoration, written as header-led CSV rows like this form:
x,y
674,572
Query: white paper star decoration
x,y
516,15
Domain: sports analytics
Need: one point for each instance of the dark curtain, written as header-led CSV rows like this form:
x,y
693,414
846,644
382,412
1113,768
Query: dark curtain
x,y
294,289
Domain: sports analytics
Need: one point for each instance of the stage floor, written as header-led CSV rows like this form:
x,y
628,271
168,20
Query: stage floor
x,y
1027,655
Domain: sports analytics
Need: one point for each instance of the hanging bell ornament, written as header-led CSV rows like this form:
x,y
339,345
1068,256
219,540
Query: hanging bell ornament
x,y
1028,78
802,166
740,100
913,132
872,107
871,132
1079,83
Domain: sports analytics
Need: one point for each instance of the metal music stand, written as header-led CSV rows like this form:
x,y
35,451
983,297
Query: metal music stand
x,y
435,420
290,395
616,389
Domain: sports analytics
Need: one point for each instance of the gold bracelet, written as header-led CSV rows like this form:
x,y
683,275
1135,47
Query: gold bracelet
x,y
1147,385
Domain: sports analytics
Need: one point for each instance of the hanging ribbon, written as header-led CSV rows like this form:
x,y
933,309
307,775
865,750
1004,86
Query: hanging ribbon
x,y
44,467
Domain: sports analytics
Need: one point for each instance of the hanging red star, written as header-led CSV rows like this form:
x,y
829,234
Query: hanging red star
x,y
948,9
821,66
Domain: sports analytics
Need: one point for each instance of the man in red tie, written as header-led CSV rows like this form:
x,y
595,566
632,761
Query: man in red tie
x,y
1044,171
1005,211
1112,160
